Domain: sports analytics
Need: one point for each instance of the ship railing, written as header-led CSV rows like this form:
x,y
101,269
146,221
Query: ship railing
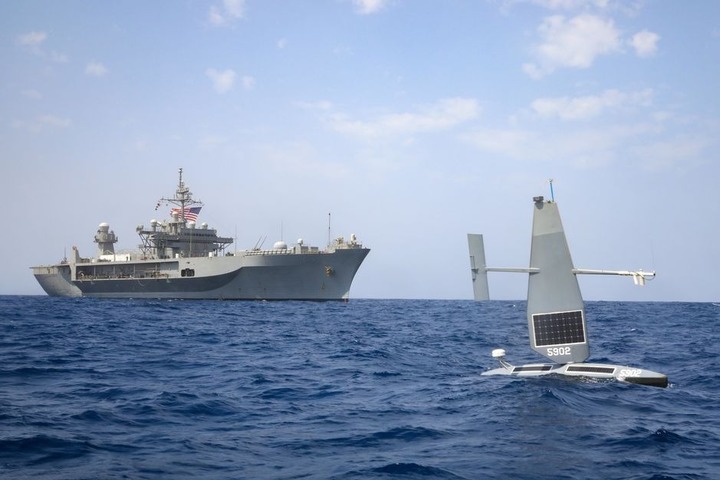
x,y
269,252
347,246
289,251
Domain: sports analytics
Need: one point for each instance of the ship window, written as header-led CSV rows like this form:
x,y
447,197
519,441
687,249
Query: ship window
x,y
187,272
558,328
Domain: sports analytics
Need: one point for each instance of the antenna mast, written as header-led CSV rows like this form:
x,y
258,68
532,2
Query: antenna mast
x,y
182,198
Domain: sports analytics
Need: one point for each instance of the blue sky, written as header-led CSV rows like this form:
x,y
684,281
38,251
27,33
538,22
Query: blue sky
x,y
414,122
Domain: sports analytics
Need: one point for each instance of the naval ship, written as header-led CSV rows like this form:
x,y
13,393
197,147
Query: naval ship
x,y
178,259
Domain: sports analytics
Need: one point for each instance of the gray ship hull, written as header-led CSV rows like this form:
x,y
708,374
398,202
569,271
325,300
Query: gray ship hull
x,y
244,276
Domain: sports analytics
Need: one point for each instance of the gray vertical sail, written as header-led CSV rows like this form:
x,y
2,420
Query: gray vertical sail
x,y
478,268
555,310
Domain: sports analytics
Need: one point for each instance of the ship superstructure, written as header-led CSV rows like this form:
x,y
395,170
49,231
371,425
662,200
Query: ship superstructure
x,y
179,259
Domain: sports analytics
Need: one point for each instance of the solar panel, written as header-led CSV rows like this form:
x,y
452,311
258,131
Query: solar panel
x,y
532,368
584,369
558,328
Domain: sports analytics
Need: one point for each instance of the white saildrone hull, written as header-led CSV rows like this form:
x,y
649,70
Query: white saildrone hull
x,y
594,371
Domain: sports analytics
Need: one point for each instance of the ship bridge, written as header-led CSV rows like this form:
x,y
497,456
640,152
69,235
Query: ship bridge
x,y
180,239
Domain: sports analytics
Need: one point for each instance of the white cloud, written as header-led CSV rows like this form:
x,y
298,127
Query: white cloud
x,y
510,143
248,82
570,4
215,16
319,105
572,43
96,69
222,81
580,108
367,7
39,123
228,12
667,153
141,145
235,8
580,148
32,39
301,159
30,93
442,115
54,121
645,43
58,57
211,142
33,42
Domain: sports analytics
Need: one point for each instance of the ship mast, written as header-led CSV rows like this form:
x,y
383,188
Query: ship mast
x,y
183,197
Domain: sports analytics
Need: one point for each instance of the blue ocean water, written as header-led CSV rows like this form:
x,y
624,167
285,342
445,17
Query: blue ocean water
x,y
385,389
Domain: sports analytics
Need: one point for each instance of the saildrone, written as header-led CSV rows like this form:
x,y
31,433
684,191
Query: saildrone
x,y
555,309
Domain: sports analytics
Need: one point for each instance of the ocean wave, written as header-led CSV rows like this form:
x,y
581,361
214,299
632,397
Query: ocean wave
x,y
41,449
404,470
368,389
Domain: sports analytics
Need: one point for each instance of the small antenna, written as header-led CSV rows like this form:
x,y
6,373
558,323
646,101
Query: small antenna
x,y
329,234
259,243
552,193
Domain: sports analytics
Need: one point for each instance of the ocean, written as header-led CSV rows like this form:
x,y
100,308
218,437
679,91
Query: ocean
x,y
370,389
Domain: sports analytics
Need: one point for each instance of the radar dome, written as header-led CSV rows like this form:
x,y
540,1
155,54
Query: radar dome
x,y
280,245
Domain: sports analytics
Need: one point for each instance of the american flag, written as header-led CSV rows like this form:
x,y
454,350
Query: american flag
x,y
191,213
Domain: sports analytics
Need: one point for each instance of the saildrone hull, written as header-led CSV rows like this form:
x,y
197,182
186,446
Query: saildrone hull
x,y
594,371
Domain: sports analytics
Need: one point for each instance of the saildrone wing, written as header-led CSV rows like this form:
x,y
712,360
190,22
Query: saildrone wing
x,y
555,310
478,267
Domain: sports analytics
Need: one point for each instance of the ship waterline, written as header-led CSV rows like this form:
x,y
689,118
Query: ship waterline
x,y
179,261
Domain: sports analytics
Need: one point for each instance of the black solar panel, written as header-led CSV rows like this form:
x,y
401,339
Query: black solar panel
x,y
583,369
532,368
558,328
